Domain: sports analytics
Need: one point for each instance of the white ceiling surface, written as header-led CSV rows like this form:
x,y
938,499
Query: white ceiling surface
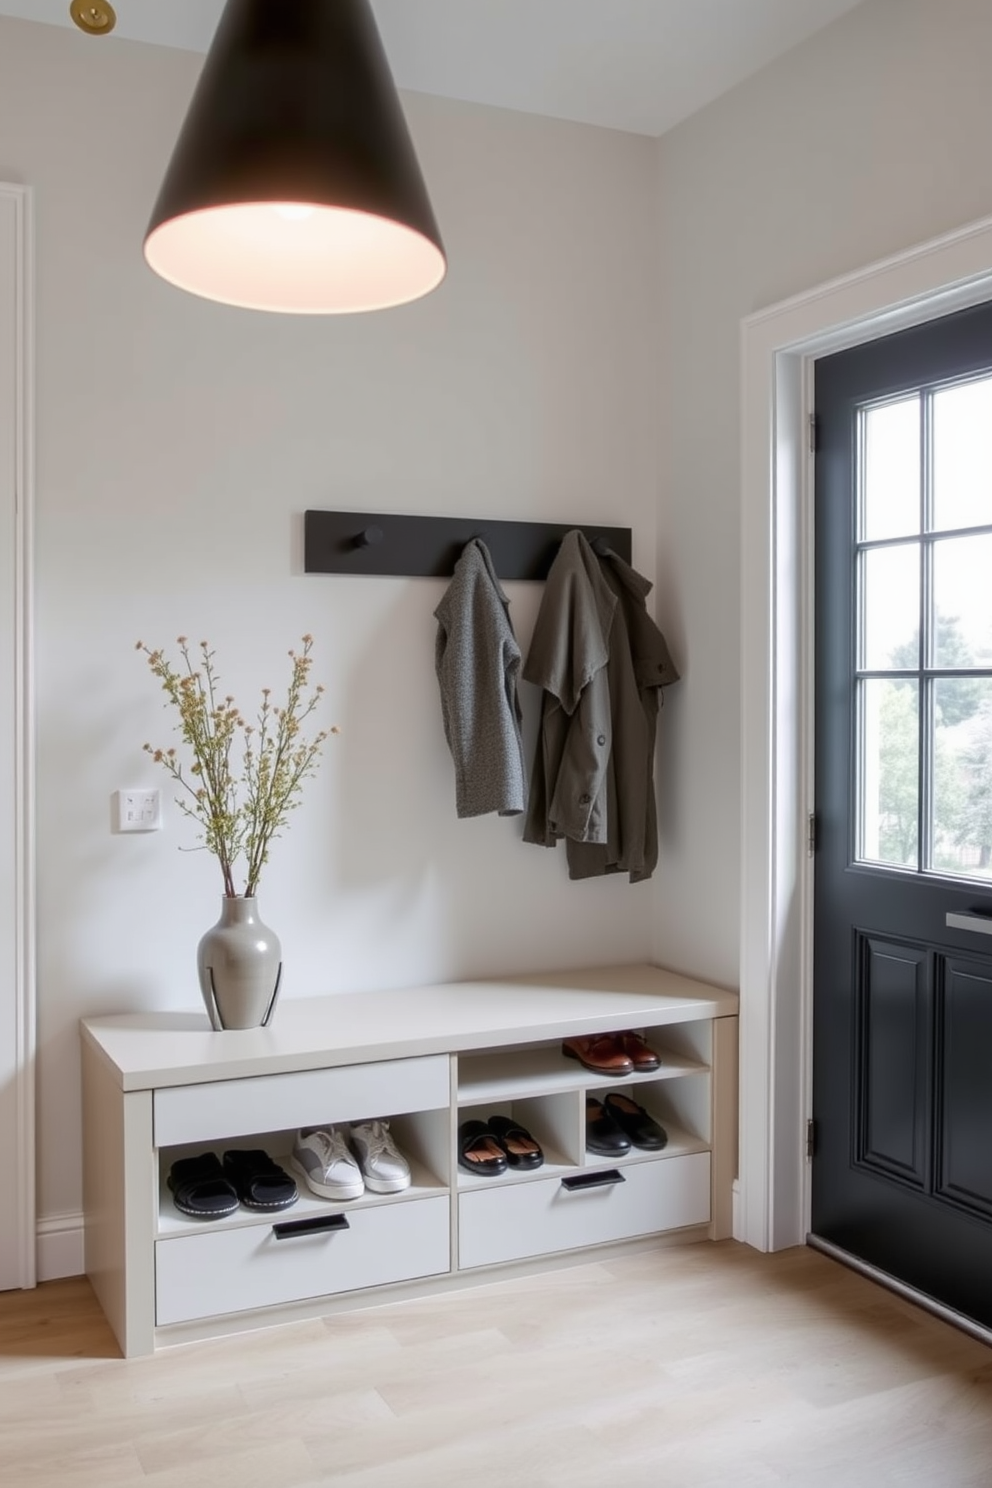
x,y
637,65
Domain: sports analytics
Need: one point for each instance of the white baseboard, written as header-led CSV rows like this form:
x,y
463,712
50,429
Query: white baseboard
x,y
60,1247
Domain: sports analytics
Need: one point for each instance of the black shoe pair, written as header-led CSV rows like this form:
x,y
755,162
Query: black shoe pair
x,y
205,1189
615,1125
490,1147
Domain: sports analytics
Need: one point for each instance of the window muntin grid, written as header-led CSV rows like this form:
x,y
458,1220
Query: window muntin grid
x,y
923,638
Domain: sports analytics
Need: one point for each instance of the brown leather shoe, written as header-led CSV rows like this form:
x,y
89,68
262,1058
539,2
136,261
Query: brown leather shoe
x,y
599,1052
638,1051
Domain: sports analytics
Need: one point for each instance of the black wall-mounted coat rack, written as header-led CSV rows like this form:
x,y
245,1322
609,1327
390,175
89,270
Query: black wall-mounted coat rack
x,y
368,543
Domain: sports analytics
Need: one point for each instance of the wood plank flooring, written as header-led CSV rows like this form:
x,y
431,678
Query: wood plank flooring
x,y
705,1366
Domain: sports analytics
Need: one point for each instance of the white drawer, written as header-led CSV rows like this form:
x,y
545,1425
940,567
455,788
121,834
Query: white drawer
x,y
234,1270
265,1103
511,1221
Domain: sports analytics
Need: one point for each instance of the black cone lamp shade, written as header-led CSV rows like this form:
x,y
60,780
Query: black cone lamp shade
x,y
294,185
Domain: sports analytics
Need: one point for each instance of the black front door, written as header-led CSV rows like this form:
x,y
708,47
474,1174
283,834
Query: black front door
x,y
902,1020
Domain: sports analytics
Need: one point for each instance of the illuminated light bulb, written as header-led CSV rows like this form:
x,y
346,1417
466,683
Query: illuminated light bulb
x,y
293,211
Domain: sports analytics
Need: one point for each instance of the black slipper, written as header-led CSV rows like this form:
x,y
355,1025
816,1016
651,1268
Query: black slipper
x,y
199,1188
644,1132
479,1151
516,1141
260,1182
603,1133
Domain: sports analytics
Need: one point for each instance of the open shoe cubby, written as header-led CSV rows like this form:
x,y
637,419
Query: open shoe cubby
x,y
546,1093
421,1135
160,1088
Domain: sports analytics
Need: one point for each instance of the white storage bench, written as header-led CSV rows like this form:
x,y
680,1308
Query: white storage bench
x,y
160,1087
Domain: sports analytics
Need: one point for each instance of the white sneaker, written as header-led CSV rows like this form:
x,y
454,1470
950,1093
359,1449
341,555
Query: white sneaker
x,y
322,1157
385,1168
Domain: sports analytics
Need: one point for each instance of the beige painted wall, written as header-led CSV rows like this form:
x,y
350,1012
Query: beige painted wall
x,y
869,138
179,444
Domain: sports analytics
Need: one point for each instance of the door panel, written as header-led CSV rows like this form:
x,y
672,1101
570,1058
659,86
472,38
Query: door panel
x,y
964,1087
891,1088
902,1016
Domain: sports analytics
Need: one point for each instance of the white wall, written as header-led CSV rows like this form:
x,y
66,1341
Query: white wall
x,y
871,137
179,444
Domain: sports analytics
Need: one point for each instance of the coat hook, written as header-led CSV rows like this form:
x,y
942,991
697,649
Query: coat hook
x,y
368,537
600,547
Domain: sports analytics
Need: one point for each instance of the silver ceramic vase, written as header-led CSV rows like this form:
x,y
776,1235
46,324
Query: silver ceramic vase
x,y
239,961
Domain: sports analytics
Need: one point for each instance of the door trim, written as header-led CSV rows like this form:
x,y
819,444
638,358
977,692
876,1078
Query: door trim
x,y
17,508
778,348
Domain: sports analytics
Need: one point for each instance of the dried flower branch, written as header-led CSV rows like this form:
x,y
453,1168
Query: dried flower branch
x,y
240,812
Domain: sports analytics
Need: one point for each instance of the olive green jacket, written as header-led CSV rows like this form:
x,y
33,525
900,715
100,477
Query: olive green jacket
x,y
601,662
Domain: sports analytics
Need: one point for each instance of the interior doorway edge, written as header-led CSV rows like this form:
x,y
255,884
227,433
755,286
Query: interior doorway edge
x,y
17,806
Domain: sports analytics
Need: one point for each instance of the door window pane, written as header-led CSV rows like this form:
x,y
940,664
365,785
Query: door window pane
x,y
962,591
962,776
924,744
962,455
891,466
891,607
890,772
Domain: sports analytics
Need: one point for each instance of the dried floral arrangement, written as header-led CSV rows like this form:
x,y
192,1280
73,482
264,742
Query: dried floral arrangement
x,y
243,779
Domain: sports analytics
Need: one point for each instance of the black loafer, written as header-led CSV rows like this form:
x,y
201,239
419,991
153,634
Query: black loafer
x,y
632,1119
603,1134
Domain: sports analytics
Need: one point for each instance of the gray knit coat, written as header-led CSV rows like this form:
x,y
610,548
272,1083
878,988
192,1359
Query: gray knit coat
x,y
477,660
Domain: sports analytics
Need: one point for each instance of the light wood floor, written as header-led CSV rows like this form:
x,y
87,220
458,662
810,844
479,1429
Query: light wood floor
x,y
699,1367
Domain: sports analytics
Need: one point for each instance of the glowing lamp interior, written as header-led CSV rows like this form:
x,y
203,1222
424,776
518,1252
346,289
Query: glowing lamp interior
x,y
295,258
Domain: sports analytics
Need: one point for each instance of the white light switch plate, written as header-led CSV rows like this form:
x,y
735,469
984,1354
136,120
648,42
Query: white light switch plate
x,y
138,810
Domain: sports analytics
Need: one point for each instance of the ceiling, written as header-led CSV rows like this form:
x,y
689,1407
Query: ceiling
x,y
637,65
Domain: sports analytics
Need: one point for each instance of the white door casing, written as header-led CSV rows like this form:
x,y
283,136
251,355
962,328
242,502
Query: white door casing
x,y
778,348
17,1002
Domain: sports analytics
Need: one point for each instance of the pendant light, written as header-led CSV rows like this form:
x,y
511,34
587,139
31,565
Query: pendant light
x,y
294,185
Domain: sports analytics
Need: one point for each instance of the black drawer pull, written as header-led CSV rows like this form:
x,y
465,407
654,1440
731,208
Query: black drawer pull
x,y
606,1179
317,1225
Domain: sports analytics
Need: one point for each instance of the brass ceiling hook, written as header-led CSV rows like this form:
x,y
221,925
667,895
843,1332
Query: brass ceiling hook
x,y
95,17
